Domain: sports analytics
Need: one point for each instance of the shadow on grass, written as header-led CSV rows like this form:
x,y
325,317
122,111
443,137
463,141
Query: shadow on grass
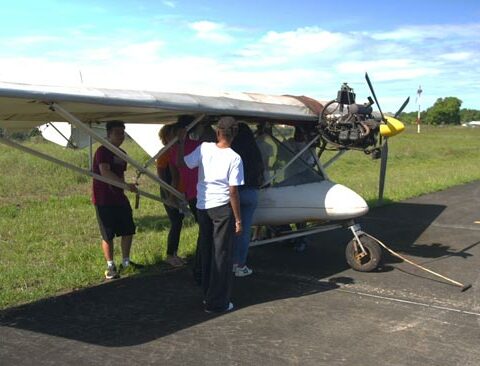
x,y
152,223
142,308
160,222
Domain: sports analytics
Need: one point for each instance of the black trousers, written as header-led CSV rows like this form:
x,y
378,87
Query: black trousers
x,y
176,223
216,231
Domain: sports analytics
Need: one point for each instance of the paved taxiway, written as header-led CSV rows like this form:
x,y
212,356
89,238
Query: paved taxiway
x,y
296,309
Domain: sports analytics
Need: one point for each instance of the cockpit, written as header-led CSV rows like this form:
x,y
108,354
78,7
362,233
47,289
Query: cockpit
x,y
289,158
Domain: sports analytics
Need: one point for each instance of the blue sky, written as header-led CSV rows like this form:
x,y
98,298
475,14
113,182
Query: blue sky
x,y
275,47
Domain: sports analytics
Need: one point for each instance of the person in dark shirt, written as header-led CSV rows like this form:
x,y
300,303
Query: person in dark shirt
x,y
244,144
113,210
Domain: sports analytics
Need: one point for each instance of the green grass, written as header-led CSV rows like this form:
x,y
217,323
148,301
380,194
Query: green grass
x,y
49,240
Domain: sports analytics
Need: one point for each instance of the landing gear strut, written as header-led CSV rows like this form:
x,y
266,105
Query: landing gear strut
x,y
363,253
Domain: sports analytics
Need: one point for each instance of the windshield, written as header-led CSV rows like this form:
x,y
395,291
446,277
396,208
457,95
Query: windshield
x,y
278,149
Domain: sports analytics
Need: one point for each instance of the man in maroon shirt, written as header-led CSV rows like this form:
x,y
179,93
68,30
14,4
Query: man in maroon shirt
x,y
114,213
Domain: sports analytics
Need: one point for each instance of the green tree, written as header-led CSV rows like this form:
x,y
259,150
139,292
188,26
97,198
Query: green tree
x,y
444,111
411,117
468,115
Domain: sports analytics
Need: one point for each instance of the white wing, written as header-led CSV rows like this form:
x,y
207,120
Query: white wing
x,y
24,106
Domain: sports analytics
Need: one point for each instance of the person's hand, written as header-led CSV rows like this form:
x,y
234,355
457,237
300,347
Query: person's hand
x,y
171,200
238,227
132,187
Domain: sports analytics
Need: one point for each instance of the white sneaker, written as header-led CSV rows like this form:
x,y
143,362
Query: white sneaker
x,y
243,271
229,308
234,268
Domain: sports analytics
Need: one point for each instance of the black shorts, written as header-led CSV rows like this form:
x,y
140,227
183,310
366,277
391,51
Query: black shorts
x,y
115,221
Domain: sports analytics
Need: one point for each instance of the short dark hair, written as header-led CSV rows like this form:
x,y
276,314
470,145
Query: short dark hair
x,y
165,132
184,120
114,124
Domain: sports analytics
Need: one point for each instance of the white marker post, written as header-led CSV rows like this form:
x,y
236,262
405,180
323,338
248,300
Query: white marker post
x,y
419,94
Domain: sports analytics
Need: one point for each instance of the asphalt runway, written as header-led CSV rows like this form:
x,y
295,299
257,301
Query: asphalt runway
x,y
304,308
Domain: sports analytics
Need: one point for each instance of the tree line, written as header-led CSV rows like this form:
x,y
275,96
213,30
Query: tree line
x,y
444,111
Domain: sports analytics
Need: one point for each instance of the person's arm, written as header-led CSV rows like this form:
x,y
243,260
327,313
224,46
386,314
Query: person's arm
x,y
235,203
106,172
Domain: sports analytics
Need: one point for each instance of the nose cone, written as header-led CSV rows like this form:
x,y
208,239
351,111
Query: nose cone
x,y
343,203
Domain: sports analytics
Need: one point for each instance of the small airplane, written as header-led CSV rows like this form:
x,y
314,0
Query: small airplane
x,y
296,190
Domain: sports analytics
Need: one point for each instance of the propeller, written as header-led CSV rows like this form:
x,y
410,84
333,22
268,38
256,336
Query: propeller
x,y
402,108
384,157
384,149
374,96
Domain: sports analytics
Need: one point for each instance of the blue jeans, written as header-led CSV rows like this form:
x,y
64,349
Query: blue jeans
x,y
248,204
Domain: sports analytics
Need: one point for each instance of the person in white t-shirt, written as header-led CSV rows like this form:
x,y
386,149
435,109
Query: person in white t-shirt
x,y
220,172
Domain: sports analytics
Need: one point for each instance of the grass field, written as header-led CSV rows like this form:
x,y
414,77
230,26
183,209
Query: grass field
x,y
49,241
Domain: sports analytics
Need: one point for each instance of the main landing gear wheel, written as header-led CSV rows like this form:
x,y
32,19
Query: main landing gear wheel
x,y
363,262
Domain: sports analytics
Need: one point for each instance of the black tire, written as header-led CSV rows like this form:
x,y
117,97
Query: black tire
x,y
370,261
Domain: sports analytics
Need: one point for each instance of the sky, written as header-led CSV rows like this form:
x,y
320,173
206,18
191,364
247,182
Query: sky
x,y
272,47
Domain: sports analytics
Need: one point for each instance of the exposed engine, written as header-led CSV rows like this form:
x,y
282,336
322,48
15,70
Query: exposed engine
x,y
346,124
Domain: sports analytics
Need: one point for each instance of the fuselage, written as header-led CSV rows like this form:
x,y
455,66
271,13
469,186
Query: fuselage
x,y
317,201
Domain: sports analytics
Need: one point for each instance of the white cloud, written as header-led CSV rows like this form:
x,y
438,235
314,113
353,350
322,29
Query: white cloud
x,y
136,53
147,51
387,70
309,60
276,47
170,4
419,33
29,40
211,31
38,71
457,56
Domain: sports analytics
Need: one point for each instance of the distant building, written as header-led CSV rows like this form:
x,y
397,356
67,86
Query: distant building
x,y
471,124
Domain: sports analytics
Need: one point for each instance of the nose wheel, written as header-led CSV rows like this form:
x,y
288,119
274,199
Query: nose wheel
x,y
363,253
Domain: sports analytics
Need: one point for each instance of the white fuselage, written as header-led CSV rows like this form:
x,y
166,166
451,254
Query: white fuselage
x,y
316,201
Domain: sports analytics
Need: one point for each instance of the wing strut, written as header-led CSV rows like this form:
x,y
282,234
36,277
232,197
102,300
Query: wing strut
x,y
291,161
36,153
161,152
169,145
334,158
83,127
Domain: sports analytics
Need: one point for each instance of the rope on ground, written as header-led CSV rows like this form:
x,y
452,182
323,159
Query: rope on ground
x,y
456,283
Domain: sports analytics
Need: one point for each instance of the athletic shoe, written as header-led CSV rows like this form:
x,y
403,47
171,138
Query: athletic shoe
x,y
226,310
174,261
135,265
300,245
234,268
243,271
130,268
111,273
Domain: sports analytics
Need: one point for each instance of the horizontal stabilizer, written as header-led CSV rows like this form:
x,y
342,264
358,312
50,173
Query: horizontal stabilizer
x,y
64,134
